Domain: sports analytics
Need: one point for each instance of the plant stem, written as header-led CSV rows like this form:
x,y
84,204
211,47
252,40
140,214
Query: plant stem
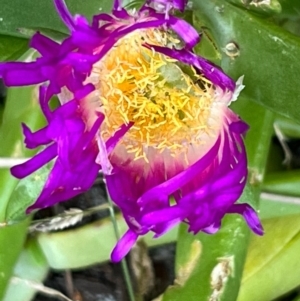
x,y
123,262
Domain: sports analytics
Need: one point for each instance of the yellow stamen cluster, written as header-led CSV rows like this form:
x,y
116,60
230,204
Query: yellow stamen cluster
x,y
169,109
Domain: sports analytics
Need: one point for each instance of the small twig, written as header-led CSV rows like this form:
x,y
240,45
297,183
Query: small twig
x,y
69,282
40,288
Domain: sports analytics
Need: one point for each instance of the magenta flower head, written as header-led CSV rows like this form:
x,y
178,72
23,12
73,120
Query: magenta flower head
x,y
140,105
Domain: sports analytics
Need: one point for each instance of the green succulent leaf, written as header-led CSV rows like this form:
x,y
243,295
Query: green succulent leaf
x,y
41,15
87,245
290,7
274,205
12,237
266,54
26,193
12,48
31,266
12,138
284,183
11,241
269,258
210,266
264,8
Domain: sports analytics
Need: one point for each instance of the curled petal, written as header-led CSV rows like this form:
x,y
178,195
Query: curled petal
x,y
27,168
102,18
33,140
165,189
102,157
209,70
166,5
64,13
44,98
124,245
21,74
44,45
184,30
113,140
117,5
162,216
249,215
213,228
63,184
239,127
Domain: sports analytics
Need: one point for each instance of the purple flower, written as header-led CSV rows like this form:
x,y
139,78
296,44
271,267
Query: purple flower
x,y
140,105
69,139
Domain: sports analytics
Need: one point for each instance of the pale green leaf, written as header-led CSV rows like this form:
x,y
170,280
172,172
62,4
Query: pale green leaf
x,y
31,266
270,258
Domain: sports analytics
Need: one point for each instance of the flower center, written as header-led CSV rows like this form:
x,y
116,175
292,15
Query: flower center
x,y
169,108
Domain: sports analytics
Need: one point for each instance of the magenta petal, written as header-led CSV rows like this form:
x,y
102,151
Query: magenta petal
x,y
209,70
213,228
162,216
33,140
113,140
160,229
250,216
25,169
187,32
239,127
44,99
123,246
117,5
86,90
177,4
88,138
101,18
165,189
121,14
63,183
44,45
22,74
64,13
142,25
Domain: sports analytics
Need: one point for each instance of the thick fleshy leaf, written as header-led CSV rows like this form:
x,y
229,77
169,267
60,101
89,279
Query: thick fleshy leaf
x,y
289,18
274,205
221,258
281,193
265,8
26,193
31,266
270,258
11,241
89,244
12,48
290,7
284,183
12,237
12,138
255,47
23,17
261,128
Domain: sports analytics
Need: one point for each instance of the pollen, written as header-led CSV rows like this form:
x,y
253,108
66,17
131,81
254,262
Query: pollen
x,y
170,108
